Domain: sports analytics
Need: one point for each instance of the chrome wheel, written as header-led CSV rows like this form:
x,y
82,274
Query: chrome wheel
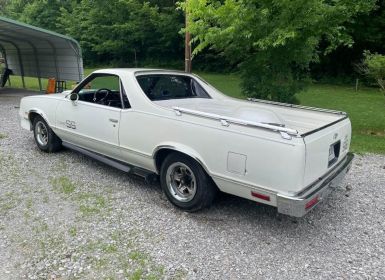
x,y
181,182
41,132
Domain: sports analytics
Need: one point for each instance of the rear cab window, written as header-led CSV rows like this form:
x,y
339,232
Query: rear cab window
x,y
166,87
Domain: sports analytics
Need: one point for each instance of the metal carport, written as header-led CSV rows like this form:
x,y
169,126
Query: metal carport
x,y
30,51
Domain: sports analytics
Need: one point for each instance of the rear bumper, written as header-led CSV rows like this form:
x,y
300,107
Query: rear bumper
x,y
303,202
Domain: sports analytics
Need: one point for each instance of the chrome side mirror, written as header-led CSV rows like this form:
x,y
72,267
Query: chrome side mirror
x,y
74,97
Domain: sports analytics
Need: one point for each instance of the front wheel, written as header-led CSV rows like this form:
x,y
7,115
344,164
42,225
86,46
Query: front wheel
x,y
45,138
185,183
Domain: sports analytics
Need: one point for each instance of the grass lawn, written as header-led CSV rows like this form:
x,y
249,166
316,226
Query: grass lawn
x,y
366,107
33,84
229,83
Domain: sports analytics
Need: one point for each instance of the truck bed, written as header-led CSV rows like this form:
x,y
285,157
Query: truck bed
x,y
305,120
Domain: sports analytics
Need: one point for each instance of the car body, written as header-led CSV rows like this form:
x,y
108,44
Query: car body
x,y
173,124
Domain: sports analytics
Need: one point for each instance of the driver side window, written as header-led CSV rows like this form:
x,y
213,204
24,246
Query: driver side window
x,y
102,89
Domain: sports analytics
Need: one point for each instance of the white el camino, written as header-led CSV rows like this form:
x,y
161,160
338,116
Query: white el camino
x,y
176,127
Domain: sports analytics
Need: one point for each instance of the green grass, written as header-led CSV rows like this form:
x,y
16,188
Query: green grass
x,y
8,202
33,83
91,204
109,248
63,185
30,83
73,231
229,83
366,107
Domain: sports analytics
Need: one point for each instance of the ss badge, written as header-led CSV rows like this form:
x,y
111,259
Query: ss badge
x,y
70,124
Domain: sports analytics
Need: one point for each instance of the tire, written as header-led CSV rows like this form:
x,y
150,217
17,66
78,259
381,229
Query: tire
x,y
185,183
45,138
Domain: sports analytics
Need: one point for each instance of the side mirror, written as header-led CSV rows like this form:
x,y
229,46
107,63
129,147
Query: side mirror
x,y
74,96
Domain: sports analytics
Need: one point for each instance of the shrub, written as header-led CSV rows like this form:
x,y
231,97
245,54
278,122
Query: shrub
x,y
373,66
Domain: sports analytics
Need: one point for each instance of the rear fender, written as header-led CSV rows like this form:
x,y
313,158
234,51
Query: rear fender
x,y
181,149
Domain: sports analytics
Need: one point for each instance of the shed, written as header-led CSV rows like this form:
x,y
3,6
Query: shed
x,y
31,51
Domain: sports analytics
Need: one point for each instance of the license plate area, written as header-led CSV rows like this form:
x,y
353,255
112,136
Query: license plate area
x,y
334,153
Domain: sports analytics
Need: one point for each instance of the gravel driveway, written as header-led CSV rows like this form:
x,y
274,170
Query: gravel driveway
x,y
65,216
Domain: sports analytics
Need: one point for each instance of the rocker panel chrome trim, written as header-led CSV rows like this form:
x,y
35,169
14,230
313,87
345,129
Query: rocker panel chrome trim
x,y
123,166
99,157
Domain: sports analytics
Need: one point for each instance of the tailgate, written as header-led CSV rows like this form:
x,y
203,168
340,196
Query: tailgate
x,y
325,148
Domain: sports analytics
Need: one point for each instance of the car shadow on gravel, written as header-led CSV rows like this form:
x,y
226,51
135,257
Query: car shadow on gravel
x,y
226,211
231,211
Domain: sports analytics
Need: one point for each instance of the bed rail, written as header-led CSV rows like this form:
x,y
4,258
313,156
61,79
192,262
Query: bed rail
x,y
296,106
285,132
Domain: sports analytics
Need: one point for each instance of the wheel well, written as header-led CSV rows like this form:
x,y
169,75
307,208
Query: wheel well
x,y
32,116
163,153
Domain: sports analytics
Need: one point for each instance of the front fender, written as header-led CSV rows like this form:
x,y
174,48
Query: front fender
x,y
42,105
39,112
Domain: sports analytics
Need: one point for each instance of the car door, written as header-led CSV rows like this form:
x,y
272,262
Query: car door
x,y
92,121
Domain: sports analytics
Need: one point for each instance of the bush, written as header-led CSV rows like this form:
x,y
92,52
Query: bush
x,y
269,77
373,66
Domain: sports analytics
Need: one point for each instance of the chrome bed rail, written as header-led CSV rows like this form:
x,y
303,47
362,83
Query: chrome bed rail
x,y
296,106
286,133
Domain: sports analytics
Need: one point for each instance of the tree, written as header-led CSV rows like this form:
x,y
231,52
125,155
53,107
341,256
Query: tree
x,y
124,31
41,13
116,32
272,41
3,4
367,33
373,66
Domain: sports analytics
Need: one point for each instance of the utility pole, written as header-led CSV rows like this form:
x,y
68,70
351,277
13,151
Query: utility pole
x,y
187,47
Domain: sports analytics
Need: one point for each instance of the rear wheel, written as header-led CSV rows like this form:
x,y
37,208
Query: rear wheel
x,y
185,183
45,138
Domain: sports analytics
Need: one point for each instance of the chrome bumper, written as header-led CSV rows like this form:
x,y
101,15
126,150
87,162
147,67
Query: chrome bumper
x,y
306,200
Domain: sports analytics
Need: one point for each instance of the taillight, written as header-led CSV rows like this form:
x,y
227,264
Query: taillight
x,y
312,202
260,196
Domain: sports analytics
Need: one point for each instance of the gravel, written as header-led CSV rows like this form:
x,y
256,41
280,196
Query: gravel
x,y
65,216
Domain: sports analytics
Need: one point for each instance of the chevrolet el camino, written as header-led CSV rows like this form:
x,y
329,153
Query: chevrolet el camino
x,y
176,127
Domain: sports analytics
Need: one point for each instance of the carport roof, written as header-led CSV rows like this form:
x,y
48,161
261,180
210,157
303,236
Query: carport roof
x,y
36,52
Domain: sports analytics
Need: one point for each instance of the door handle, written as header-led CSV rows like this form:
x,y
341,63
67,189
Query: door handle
x,y
114,120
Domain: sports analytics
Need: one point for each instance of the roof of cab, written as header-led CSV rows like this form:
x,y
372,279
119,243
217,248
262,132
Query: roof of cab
x,y
138,71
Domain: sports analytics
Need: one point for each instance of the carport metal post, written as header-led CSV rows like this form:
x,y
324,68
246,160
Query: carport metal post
x,y
78,56
37,65
41,53
55,59
21,64
19,58
38,72
2,49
